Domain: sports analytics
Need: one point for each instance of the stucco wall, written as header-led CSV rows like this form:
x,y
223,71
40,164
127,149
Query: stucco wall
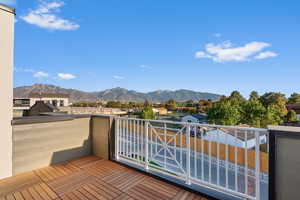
x,y
37,145
6,89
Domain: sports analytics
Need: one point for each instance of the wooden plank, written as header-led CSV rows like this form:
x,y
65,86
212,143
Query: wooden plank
x,y
80,195
92,192
49,191
107,187
160,187
101,192
85,161
125,180
65,197
153,193
124,196
72,183
18,196
41,192
86,193
10,197
19,182
72,196
34,194
139,193
26,195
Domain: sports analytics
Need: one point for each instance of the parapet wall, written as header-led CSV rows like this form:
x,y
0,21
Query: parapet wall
x,y
42,141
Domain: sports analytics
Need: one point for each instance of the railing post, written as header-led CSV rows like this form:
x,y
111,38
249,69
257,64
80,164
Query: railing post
x,y
257,165
146,146
117,138
188,155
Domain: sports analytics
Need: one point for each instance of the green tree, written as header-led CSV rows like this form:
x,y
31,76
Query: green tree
x,y
171,105
236,98
273,98
253,112
273,116
204,105
147,113
275,102
147,103
189,103
291,116
254,96
294,99
114,104
224,113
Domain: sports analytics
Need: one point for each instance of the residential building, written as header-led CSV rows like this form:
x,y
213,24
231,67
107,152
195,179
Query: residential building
x,y
56,99
193,118
161,110
227,136
39,108
7,21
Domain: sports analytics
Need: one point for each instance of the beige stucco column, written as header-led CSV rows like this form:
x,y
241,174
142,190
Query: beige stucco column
x,y
7,16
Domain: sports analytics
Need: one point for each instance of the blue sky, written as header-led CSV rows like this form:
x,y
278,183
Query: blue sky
x,y
145,45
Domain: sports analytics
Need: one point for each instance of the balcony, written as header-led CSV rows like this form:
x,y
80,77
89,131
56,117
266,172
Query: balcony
x,y
89,178
217,161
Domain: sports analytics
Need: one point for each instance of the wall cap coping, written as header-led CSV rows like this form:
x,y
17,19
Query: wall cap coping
x,y
46,119
284,128
7,9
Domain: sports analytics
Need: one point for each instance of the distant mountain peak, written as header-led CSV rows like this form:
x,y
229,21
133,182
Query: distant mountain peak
x,y
116,94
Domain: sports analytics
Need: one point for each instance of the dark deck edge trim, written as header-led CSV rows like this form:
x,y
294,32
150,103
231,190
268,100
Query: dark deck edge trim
x,y
46,119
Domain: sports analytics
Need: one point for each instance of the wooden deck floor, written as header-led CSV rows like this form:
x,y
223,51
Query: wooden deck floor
x,y
89,178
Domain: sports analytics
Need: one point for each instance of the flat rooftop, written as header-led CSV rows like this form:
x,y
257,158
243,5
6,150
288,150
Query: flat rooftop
x,y
90,178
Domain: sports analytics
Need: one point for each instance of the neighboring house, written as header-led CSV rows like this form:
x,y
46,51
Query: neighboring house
x,y
21,102
295,108
161,111
228,137
194,118
40,107
55,99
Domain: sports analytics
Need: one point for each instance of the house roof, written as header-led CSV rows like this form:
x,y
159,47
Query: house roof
x,y
296,108
199,116
241,134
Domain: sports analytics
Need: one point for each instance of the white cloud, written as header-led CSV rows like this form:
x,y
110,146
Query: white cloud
x,y
217,35
226,52
266,54
118,77
40,74
145,67
17,69
65,76
8,2
45,16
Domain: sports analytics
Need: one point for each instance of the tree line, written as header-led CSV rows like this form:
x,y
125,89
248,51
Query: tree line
x,y
257,111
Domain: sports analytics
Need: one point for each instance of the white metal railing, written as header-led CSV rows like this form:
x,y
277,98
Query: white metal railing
x,y
222,158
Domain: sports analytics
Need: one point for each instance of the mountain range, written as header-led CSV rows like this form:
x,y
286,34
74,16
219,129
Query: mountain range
x,y
115,94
